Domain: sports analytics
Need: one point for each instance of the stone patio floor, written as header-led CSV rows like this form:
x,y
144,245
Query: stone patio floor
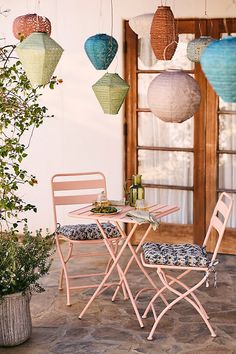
x,y
112,327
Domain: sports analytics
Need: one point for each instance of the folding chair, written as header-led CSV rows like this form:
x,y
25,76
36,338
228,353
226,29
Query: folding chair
x,y
81,189
186,258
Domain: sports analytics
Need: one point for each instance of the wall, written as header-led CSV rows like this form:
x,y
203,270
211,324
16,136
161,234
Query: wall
x,y
80,137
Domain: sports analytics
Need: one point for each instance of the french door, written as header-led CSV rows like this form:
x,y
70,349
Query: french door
x,y
187,163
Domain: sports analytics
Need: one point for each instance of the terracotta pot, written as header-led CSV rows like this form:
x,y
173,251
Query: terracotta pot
x,y
24,25
15,319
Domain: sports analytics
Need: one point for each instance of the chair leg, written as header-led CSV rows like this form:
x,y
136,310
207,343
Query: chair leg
x,y
60,287
64,270
181,296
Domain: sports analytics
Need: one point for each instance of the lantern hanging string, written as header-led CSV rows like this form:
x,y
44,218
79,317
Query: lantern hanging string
x,y
226,27
205,10
112,15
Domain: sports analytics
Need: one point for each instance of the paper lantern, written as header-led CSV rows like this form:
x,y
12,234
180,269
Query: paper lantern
x,y
196,47
141,24
39,55
111,91
163,33
174,96
24,25
101,50
218,62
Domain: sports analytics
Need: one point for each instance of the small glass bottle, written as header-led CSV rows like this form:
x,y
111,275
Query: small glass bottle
x,y
136,190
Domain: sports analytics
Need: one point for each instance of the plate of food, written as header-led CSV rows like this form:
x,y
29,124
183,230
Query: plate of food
x,y
104,210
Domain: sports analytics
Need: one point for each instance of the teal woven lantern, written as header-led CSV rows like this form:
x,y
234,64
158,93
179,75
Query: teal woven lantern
x,y
218,62
39,55
101,50
111,91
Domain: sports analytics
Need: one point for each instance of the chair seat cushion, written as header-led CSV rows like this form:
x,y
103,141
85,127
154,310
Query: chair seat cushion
x,y
190,255
87,231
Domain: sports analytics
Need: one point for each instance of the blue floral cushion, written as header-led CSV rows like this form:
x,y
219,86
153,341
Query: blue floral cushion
x,y
175,254
87,231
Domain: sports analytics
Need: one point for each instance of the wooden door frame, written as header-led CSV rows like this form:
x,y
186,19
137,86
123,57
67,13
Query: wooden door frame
x,y
206,135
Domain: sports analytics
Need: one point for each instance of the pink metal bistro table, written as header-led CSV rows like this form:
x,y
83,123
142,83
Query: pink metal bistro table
x,y
159,210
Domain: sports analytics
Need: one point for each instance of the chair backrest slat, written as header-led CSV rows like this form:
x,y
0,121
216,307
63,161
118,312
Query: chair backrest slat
x,y
75,185
219,220
75,199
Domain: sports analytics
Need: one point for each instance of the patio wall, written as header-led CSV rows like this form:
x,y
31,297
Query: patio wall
x,y
80,137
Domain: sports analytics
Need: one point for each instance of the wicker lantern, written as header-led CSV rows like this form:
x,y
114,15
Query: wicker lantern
x,y
174,96
24,25
219,65
141,25
163,33
111,91
101,50
39,55
196,47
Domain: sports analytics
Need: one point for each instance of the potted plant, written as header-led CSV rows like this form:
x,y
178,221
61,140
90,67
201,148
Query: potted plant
x,y
23,260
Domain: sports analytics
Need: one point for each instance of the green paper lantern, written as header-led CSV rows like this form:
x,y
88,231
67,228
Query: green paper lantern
x,y
111,91
39,55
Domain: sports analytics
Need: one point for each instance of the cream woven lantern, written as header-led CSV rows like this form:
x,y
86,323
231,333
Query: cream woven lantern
x,y
141,25
164,37
39,55
196,47
174,96
111,91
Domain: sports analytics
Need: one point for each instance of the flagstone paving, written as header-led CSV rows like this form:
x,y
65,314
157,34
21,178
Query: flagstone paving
x,y
112,327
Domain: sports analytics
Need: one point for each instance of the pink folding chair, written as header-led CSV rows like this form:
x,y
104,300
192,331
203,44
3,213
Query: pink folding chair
x,y
80,189
186,258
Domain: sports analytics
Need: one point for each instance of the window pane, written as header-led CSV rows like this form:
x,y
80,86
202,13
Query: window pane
x,y
154,132
166,167
227,132
183,199
179,60
227,171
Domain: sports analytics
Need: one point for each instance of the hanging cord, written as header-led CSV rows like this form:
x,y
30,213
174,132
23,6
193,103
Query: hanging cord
x,y
37,11
200,29
205,8
112,15
226,27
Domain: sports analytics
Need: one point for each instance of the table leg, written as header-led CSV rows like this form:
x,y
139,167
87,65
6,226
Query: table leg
x,y
115,264
135,256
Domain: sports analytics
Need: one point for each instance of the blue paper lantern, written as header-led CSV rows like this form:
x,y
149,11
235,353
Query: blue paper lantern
x,y
218,62
101,50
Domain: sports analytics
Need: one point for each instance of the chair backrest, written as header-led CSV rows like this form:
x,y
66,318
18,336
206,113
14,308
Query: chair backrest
x,y
219,220
76,188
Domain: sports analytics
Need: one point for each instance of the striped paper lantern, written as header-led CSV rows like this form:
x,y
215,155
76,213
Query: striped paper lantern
x,y
141,25
24,25
39,55
218,62
196,47
101,50
174,96
110,91
163,33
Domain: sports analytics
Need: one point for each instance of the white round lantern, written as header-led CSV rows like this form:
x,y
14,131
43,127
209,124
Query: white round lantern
x,y
174,96
196,47
141,24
